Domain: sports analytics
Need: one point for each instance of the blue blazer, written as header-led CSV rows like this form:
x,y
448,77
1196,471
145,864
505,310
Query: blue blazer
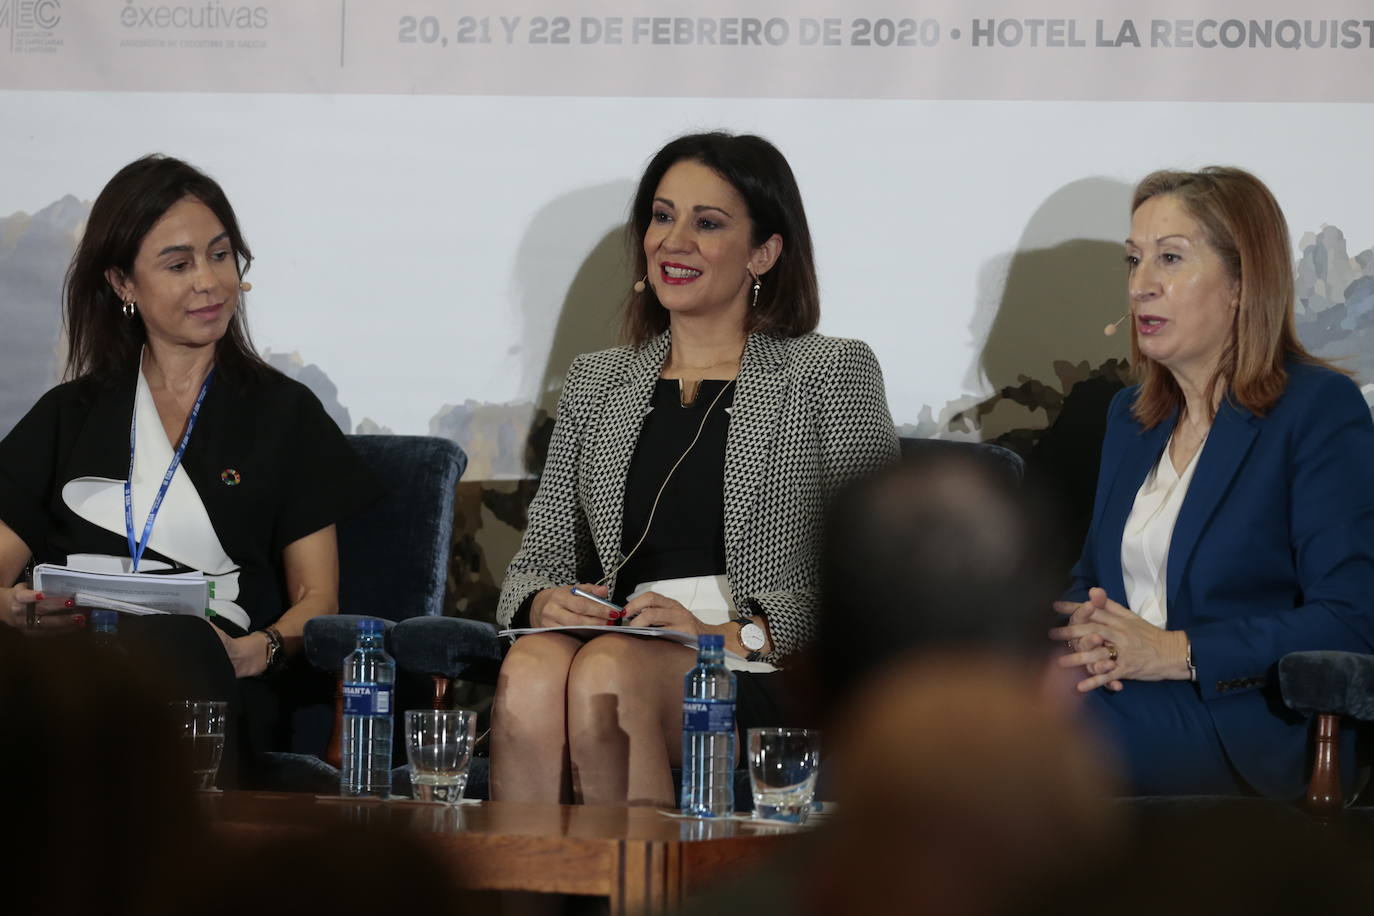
x,y
1273,552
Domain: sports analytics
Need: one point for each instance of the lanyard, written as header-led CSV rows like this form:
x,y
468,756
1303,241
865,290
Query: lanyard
x,y
136,548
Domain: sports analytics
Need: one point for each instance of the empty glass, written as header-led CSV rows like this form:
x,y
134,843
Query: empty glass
x,y
439,747
202,730
782,771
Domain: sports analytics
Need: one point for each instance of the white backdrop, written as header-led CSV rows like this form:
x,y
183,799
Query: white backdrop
x,y
436,227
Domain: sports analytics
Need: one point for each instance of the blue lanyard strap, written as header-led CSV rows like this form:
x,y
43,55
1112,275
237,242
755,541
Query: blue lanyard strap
x,y
136,548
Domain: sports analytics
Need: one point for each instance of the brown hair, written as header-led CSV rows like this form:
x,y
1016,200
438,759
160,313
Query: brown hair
x,y
789,301
1242,222
103,343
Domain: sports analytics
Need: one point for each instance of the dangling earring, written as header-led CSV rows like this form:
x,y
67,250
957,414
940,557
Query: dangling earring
x,y
758,284
640,285
130,310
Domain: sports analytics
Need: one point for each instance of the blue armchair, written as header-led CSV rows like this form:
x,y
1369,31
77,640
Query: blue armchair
x,y
393,564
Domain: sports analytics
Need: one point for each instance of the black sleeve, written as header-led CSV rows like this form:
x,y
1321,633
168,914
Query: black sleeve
x,y
328,482
28,464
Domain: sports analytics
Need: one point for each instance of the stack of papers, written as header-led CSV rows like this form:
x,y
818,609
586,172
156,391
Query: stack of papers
x,y
677,636
131,593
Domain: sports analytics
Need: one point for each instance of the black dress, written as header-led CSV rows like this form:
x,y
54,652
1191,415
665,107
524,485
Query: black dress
x,y
687,534
268,464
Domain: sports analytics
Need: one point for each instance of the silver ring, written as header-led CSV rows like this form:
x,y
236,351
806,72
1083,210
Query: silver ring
x,y
31,618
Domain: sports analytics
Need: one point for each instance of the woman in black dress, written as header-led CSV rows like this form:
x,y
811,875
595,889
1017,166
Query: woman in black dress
x,y
227,466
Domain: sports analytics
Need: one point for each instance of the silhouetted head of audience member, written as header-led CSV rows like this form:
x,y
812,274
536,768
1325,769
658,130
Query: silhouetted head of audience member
x,y
963,784
101,811
961,790
940,551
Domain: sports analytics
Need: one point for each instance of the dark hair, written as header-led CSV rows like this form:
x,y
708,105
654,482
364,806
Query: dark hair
x,y
102,343
940,551
789,305
1243,224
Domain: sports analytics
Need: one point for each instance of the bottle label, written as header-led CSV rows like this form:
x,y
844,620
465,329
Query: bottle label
x,y
367,699
708,715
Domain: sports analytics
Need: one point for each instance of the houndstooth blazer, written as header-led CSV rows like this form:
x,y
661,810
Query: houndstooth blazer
x,y
810,414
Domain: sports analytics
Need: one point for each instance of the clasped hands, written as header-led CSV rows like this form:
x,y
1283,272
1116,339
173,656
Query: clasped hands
x,y
1114,645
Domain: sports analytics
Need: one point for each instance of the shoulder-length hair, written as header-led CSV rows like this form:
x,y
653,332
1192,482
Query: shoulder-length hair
x,y
1242,222
101,342
789,301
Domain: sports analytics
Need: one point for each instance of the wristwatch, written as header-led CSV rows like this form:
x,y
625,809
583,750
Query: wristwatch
x,y
276,654
751,635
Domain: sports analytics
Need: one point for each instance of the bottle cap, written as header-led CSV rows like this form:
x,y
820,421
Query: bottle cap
x,y
371,626
710,641
104,620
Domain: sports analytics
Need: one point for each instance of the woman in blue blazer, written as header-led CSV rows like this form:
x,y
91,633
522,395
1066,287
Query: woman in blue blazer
x,y
1234,517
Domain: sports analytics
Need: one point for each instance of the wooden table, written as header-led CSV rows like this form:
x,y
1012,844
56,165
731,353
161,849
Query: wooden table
x,y
641,860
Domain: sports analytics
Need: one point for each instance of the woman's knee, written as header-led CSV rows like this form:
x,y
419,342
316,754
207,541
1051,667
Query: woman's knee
x,y
534,674
609,665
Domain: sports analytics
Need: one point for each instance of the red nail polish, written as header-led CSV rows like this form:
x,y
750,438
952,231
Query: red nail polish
x,y
71,603
38,596
79,619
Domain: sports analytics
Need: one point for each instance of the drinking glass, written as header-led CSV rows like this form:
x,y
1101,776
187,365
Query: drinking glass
x,y
782,771
439,747
202,728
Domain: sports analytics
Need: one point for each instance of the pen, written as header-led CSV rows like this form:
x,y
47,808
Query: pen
x,y
616,611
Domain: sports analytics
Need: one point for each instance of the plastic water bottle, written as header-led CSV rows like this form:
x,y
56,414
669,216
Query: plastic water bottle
x,y
708,732
105,631
368,674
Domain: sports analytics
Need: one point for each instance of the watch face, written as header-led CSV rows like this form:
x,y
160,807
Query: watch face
x,y
751,634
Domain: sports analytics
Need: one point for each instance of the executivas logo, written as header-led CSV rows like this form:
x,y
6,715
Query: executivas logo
x,y
212,15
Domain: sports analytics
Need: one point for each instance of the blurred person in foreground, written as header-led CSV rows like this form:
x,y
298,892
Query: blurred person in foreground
x,y
1234,517
962,782
102,817
173,447
100,813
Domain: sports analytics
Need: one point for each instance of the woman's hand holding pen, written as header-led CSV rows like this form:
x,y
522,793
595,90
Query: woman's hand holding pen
x,y
559,607
37,615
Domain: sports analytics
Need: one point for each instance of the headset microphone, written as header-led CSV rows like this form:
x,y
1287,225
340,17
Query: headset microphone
x,y
245,286
1110,329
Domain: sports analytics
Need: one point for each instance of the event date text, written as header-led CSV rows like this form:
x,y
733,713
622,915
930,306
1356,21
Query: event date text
x,y
670,30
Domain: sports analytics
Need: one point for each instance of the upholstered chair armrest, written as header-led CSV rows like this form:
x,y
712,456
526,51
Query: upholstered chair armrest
x,y
330,638
445,646
1338,683
1328,686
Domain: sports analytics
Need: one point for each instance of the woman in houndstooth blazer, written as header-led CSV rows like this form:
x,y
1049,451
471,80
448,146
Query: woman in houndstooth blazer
x,y
686,479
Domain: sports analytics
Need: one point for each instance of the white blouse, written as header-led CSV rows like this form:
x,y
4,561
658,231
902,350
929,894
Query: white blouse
x,y
1149,530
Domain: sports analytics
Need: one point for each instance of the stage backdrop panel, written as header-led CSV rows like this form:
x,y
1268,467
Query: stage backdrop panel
x,y
436,191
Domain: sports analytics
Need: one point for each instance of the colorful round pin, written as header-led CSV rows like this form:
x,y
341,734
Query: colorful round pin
x,y
231,477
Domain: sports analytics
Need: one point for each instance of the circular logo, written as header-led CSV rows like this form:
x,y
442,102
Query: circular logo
x,y
231,477
47,13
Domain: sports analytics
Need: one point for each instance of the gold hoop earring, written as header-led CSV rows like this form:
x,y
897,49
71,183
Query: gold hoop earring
x,y
130,309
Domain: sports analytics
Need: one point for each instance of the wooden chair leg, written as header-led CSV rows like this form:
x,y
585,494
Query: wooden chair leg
x,y
333,755
441,691
1324,797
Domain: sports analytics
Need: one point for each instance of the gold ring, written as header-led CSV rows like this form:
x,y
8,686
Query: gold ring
x,y
1111,652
